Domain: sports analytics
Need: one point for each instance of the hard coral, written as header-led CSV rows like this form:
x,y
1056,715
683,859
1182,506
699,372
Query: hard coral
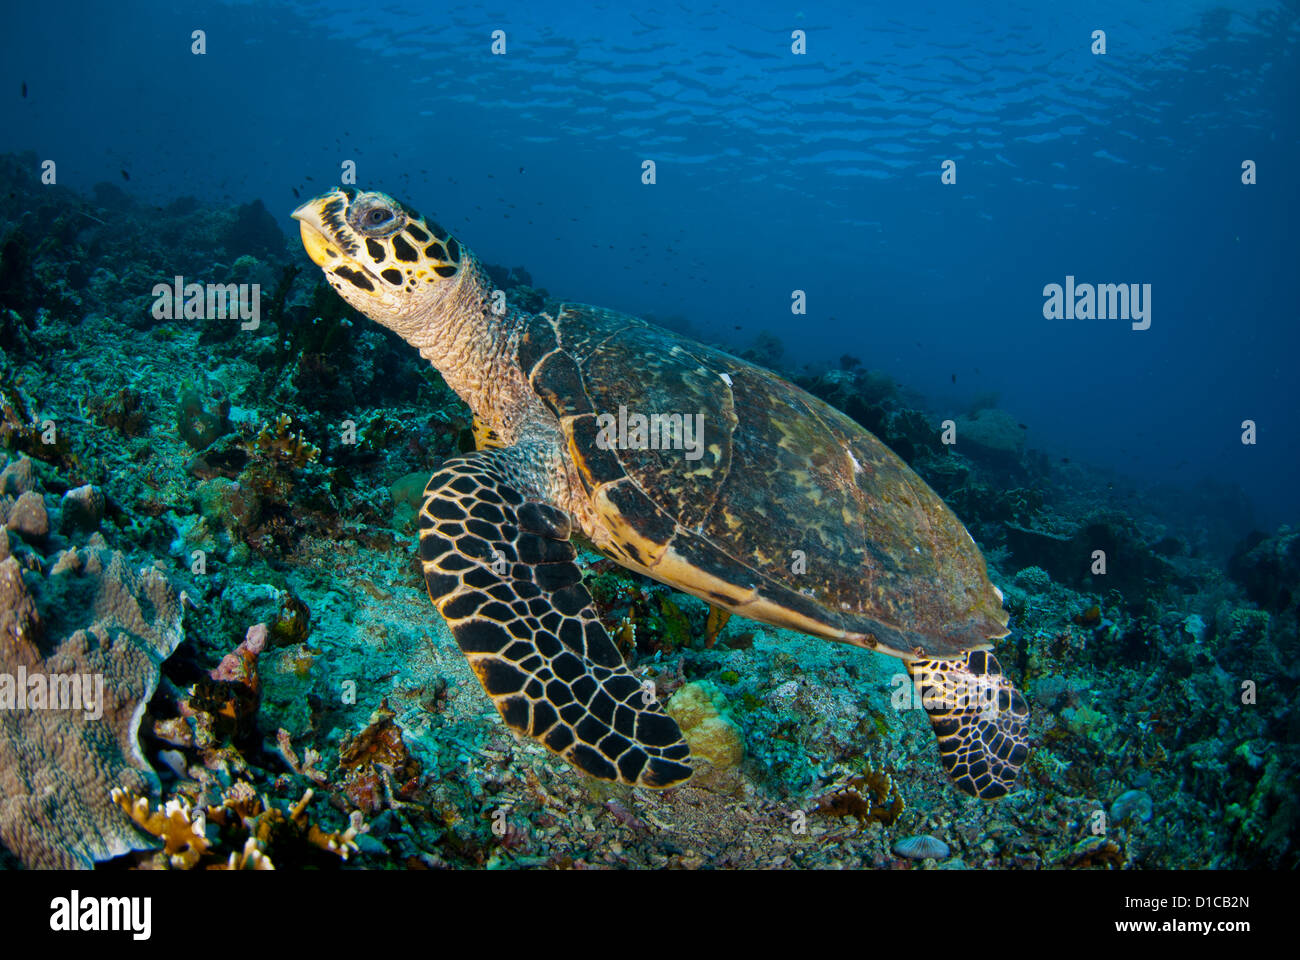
x,y
991,435
922,847
243,820
716,742
182,834
92,616
279,445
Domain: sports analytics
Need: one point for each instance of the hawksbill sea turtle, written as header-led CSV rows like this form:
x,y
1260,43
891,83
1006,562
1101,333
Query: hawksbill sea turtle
x,y
882,562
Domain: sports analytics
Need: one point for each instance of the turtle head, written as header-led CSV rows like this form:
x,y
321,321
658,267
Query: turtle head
x,y
381,257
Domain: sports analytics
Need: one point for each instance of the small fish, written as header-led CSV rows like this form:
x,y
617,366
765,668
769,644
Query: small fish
x,y
307,178
295,193
1022,426
521,169
125,175
954,378
1065,459
24,89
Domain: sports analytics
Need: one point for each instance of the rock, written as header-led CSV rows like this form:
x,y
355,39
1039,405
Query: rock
x,y
28,516
408,491
1267,568
228,505
1133,804
18,477
1195,627
782,698
82,509
993,436
1050,691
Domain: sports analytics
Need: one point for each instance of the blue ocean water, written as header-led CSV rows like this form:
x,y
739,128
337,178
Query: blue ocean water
x,y
777,172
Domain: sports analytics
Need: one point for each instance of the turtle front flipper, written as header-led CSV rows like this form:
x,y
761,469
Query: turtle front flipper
x,y
980,719
501,571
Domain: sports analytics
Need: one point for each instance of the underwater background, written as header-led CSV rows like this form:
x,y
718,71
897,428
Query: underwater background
x,y
306,706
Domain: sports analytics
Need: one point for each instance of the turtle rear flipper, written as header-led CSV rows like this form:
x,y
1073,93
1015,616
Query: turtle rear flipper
x,y
501,571
979,718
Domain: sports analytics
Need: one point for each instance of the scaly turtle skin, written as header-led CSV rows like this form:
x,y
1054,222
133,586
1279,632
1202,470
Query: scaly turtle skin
x,y
780,508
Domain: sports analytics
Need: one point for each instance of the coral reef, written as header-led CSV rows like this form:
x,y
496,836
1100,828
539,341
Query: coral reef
x,y
314,712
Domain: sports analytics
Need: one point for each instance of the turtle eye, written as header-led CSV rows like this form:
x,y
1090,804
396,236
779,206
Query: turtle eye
x,y
373,217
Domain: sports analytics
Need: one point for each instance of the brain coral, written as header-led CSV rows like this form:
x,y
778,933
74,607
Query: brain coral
x,y
92,615
716,742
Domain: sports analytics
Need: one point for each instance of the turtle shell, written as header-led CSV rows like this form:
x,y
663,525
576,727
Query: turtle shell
x,y
786,510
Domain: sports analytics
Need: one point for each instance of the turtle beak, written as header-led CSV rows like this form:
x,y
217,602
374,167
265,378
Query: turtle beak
x,y
314,237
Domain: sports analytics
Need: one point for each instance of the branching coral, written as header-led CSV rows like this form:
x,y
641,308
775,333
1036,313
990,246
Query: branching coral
x,y
278,444
182,834
303,768
249,823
